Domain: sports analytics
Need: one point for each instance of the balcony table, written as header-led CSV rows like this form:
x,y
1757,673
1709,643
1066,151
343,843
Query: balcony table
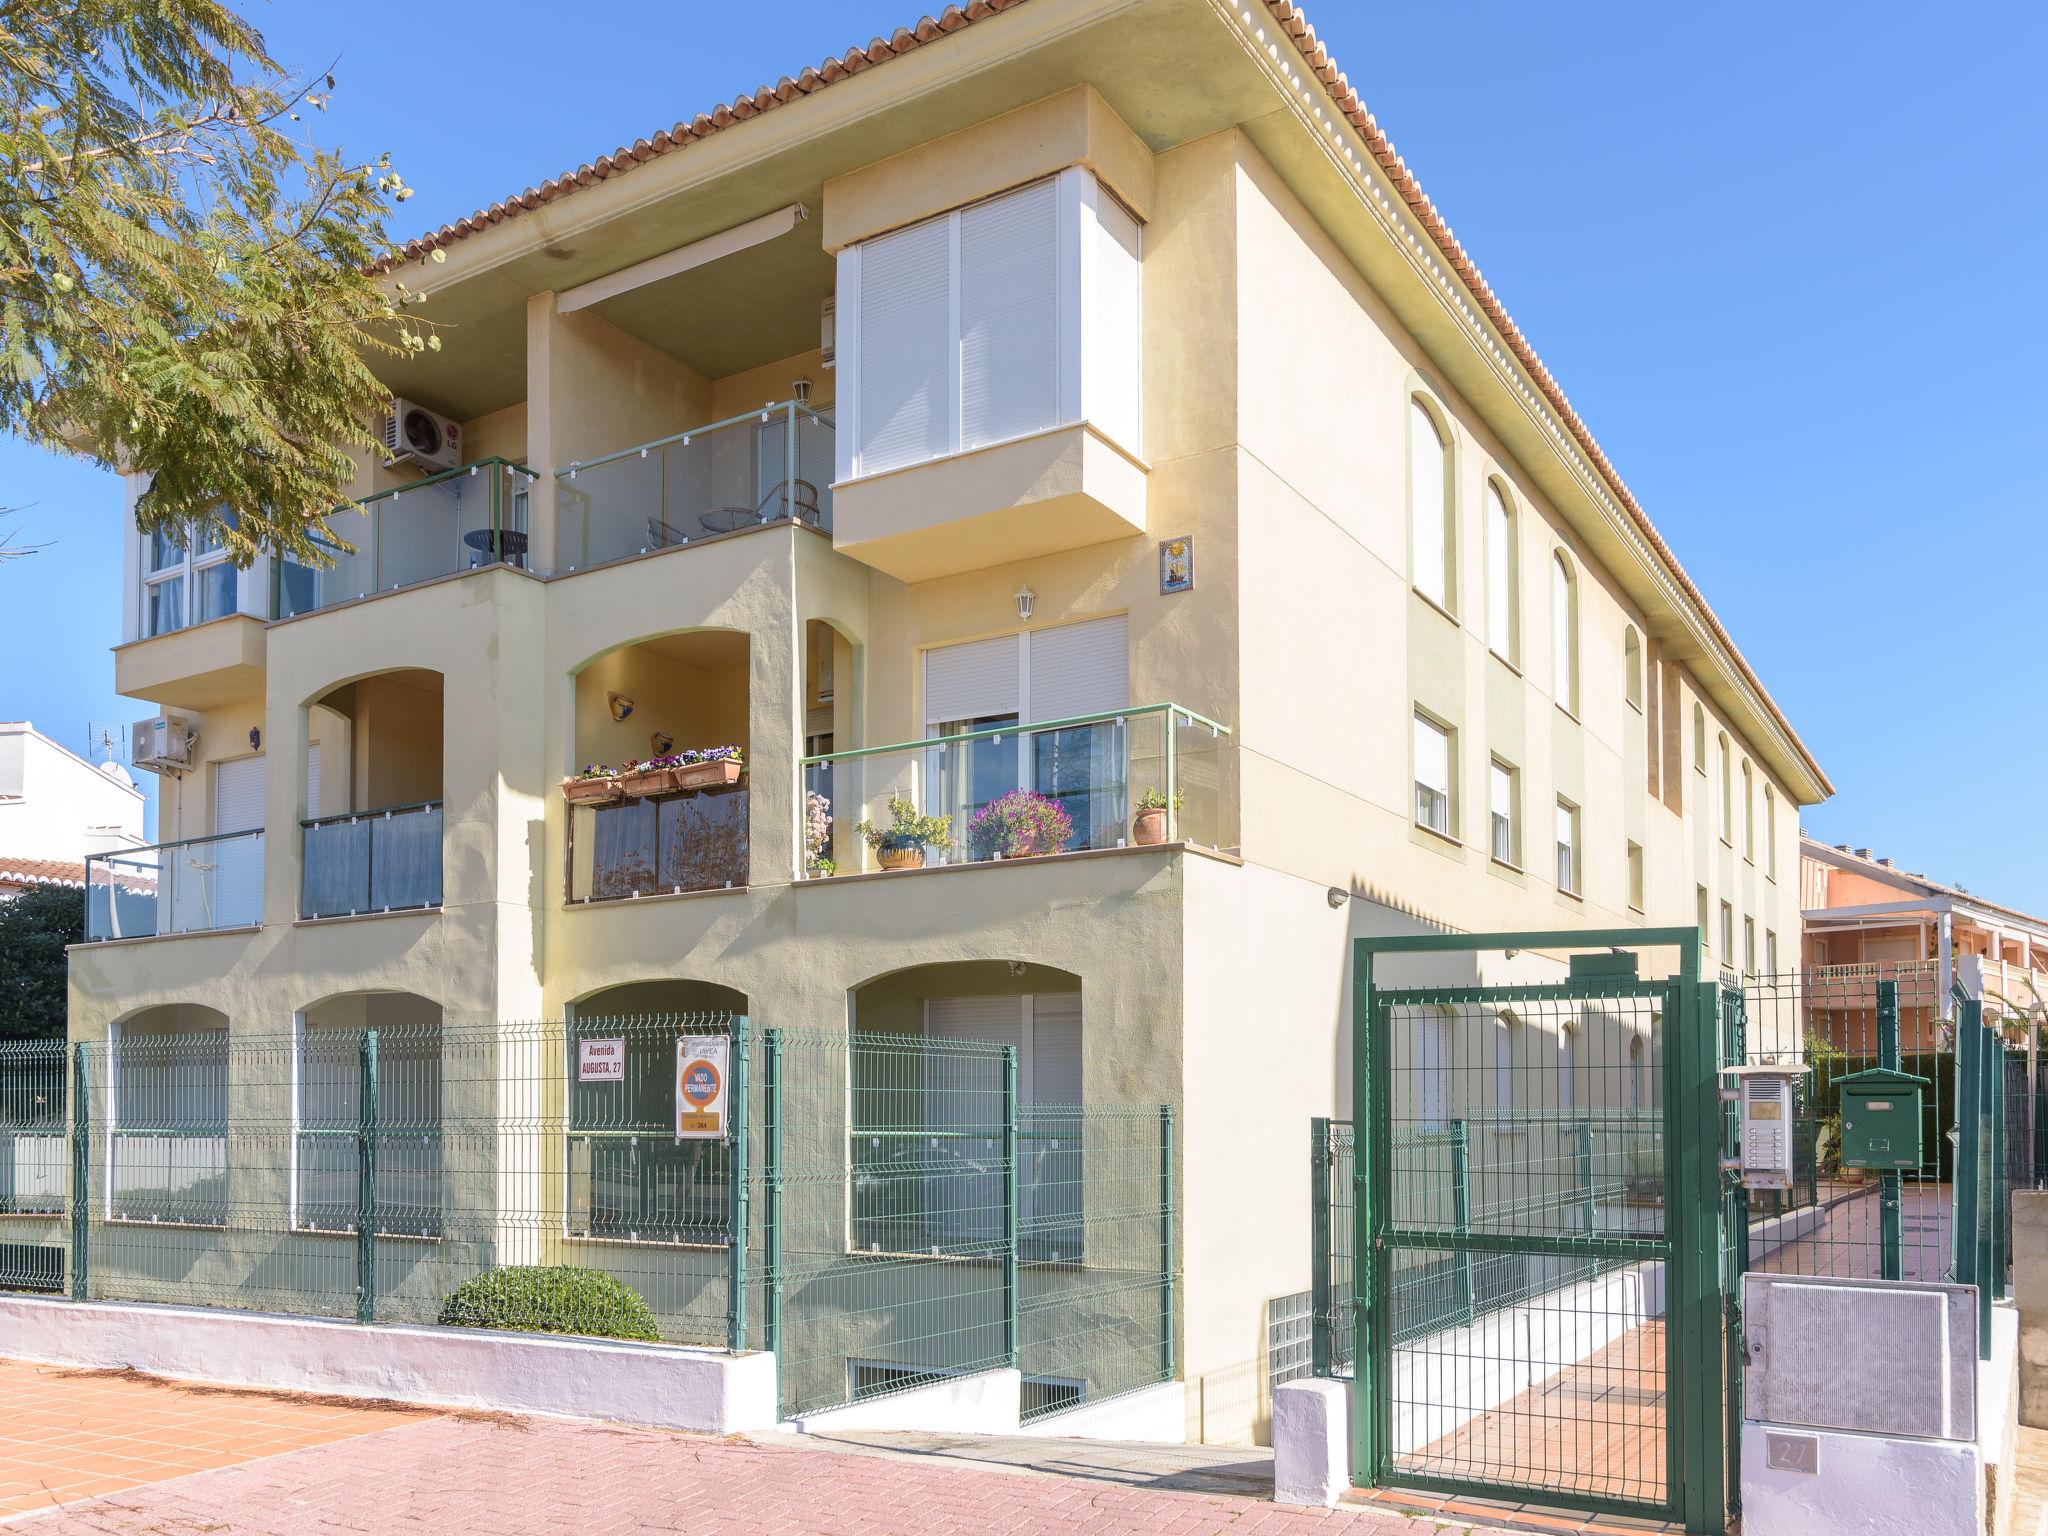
x,y
511,544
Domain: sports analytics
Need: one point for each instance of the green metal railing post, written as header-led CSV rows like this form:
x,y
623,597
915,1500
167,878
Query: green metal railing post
x,y
1891,1225
771,1211
1371,1143
736,1189
1967,1236
1461,1207
81,1173
366,1181
1168,1290
1010,1205
1319,1155
1994,1083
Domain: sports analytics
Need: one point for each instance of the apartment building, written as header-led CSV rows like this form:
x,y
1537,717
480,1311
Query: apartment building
x,y
1065,402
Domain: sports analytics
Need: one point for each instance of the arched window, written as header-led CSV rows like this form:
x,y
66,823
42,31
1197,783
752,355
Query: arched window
x,y
1564,631
1567,1051
1699,739
1632,666
1748,813
1433,1069
1503,597
1507,1029
1727,794
1429,504
1770,832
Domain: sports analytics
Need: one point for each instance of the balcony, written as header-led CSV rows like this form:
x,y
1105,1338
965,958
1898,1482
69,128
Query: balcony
x,y
769,465
459,520
666,844
371,861
1150,776
199,885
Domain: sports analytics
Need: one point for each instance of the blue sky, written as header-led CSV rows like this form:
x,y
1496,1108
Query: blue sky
x,y
1783,259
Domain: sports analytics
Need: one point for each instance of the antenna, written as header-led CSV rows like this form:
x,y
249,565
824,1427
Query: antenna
x,y
106,743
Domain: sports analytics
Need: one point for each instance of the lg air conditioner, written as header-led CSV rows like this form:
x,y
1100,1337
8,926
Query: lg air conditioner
x,y
415,435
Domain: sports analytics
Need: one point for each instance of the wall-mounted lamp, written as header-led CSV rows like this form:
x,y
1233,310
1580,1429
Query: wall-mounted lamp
x,y
1026,601
1336,896
800,391
255,738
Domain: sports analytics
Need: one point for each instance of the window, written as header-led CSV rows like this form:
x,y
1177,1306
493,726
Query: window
x,y
1699,739
989,323
1432,775
1700,910
1567,1053
1429,504
1506,1028
1770,952
1567,847
1502,578
1500,804
183,586
1564,633
1748,814
1749,946
1727,796
1635,876
1632,667
1770,833
1727,934
1432,1069
1059,673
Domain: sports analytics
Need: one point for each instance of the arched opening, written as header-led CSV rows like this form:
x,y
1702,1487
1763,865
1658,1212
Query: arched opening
x,y
1564,632
1433,558
927,1124
1748,811
1632,667
1699,738
167,1113
1727,792
1503,577
632,1177
659,803
371,839
1506,1036
405,1075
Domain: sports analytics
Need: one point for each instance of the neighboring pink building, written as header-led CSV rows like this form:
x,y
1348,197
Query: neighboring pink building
x,y
1864,919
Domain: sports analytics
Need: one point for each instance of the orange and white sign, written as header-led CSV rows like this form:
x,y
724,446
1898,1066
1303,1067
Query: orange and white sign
x,y
702,1063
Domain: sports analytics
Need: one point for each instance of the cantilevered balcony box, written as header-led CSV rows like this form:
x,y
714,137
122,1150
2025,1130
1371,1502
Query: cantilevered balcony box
x,y
988,355
207,665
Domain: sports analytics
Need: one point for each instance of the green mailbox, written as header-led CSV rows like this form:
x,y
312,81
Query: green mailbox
x,y
1880,1119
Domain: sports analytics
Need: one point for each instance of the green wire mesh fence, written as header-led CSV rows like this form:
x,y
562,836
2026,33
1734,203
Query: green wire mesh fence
x,y
882,1210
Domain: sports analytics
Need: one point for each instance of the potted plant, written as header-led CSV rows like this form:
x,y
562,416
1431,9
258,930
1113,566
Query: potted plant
x,y
709,767
652,776
818,835
1148,825
902,843
594,785
1018,825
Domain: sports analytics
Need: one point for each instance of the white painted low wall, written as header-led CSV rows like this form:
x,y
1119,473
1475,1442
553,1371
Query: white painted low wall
x,y
1156,1415
984,1403
658,1384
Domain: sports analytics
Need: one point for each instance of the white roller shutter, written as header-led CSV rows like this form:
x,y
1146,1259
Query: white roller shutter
x,y
1056,1048
238,795
904,377
971,681
1080,669
1009,315
1000,1019
1113,339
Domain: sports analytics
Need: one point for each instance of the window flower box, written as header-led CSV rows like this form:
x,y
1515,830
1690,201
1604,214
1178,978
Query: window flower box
x,y
694,768
592,787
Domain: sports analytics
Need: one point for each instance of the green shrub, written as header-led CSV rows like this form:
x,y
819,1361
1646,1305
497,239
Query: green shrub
x,y
537,1299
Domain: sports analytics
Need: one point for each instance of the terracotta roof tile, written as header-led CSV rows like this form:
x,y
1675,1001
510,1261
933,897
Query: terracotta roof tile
x,y
27,872
1337,86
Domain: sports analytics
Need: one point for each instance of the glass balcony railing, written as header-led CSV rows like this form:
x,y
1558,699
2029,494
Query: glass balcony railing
x,y
459,520
371,861
1155,774
767,465
658,845
194,886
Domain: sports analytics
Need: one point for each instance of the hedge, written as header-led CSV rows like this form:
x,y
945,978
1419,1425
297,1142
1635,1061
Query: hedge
x,y
542,1299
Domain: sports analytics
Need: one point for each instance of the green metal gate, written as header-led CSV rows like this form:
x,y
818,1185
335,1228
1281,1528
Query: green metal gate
x,y
1539,1296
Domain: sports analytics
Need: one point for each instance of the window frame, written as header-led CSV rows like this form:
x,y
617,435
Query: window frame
x,y
1748,812
1637,878
1423,720
1770,833
1569,869
202,553
1422,406
1503,574
1497,769
1727,933
1727,811
1564,630
1632,668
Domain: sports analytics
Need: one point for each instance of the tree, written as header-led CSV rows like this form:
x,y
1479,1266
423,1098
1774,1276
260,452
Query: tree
x,y
188,286
34,928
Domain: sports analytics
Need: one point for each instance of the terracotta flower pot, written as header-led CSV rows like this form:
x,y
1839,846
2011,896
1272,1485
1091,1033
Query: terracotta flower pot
x,y
709,775
900,858
590,791
1149,825
648,781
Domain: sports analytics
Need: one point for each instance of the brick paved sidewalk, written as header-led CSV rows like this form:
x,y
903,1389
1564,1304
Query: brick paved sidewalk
x,y
554,1478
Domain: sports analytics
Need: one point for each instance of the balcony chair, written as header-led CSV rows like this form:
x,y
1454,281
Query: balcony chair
x,y
732,519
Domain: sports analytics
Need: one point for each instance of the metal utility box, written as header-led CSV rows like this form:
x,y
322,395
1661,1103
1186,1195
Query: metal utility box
x,y
1881,1119
1763,1097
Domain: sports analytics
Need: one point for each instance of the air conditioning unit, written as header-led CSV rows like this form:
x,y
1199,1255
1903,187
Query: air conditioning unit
x,y
415,435
162,745
828,331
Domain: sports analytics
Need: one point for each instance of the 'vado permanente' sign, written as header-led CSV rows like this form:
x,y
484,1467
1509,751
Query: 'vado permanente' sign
x,y
701,1062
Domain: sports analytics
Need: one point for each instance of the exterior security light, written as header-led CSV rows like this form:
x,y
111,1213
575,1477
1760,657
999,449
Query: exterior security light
x,y
1026,601
1337,896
